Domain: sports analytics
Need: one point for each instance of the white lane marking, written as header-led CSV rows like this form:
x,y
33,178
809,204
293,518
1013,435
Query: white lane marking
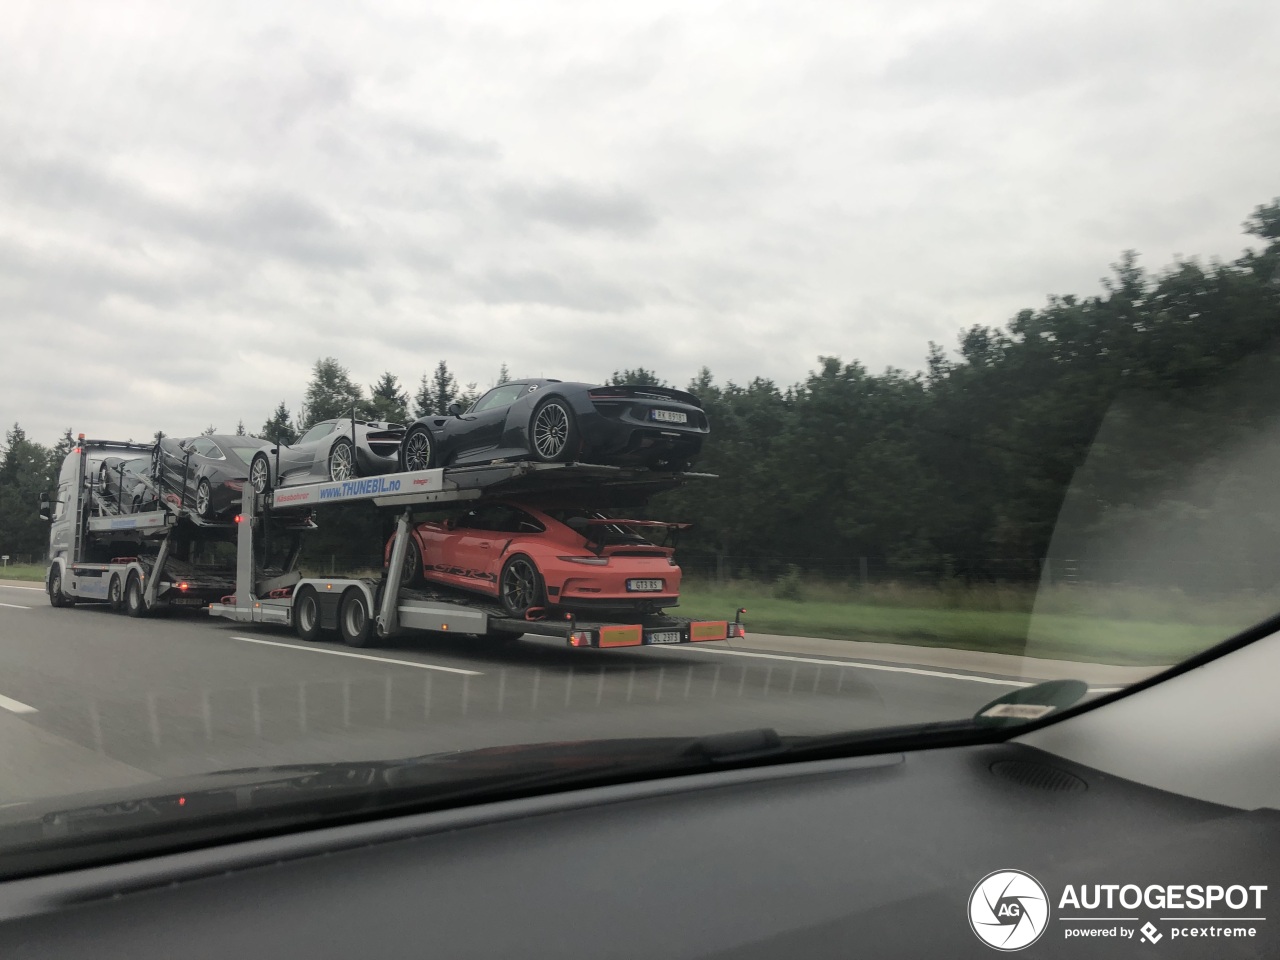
x,y
17,706
857,665
10,586
15,606
363,656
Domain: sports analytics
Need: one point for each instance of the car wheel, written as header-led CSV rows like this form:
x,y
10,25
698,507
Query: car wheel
x,y
417,452
204,499
411,575
135,604
56,597
260,474
306,614
355,621
115,595
342,460
520,587
553,432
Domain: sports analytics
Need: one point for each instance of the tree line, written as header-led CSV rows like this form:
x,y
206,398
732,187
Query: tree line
x,y
959,470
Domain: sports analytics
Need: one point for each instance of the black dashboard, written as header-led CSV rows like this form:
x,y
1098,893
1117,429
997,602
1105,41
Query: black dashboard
x,y
872,856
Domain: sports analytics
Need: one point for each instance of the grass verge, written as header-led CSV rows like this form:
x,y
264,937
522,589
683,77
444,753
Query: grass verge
x,y
23,571
1077,635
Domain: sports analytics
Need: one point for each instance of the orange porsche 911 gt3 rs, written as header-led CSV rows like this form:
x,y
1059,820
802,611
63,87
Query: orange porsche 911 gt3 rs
x,y
529,559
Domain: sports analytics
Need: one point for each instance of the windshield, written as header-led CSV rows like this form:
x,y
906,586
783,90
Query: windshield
x,y
980,311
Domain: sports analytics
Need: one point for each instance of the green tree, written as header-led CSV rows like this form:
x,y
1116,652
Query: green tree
x,y
639,377
387,401
279,427
504,375
209,431
25,473
331,393
240,432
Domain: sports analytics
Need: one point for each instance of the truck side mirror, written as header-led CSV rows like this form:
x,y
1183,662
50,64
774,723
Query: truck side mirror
x,y
454,409
46,507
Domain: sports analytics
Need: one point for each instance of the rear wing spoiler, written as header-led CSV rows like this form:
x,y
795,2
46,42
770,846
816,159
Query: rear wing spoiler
x,y
659,393
638,523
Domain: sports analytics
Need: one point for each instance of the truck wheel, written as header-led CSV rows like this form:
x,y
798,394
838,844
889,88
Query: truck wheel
x,y
553,434
135,604
520,586
115,595
56,597
306,614
354,620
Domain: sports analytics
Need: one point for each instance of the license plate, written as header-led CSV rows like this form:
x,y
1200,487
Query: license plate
x,y
666,636
669,416
644,585
187,602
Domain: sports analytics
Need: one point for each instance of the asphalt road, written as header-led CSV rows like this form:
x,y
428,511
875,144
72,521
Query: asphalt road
x,y
92,699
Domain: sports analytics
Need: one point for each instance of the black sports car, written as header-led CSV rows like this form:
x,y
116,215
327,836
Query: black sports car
x,y
204,474
331,450
552,421
122,483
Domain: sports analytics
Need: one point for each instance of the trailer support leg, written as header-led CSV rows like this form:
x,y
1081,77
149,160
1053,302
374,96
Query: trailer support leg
x,y
153,584
388,613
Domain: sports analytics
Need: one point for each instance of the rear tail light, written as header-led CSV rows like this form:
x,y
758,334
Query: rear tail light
x,y
236,485
229,600
589,561
580,638
737,631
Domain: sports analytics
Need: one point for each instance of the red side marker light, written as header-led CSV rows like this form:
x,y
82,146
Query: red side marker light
x,y
238,518
182,801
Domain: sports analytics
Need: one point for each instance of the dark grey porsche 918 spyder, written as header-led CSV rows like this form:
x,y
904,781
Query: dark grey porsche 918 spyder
x,y
551,421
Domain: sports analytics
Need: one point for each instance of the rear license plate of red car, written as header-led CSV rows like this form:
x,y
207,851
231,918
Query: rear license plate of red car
x,y
644,585
669,416
665,636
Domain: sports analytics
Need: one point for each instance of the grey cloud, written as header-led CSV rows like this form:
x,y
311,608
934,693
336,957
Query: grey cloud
x,y
575,206
561,289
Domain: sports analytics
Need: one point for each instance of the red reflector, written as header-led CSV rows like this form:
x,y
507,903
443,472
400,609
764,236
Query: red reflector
x,y
182,801
238,518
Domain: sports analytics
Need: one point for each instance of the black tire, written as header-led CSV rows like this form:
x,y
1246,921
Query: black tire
x,y
520,586
342,461
411,575
260,473
115,594
306,614
355,620
135,604
56,597
204,500
553,431
417,452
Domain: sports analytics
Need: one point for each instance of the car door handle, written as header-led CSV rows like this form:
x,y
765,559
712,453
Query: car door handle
x,y
484,545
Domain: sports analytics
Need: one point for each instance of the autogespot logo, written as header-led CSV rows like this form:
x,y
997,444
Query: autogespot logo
x,y
1008,910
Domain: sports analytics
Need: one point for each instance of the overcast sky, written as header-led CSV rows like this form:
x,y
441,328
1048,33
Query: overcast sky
x,y
198,200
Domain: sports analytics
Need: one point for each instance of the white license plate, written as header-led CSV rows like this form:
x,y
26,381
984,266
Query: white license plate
x,y
669,416
667,636
644,585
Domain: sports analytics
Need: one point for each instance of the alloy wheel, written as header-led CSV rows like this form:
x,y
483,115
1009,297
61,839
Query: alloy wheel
x,y
259,475
551,431
519,585
341,465
417,450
